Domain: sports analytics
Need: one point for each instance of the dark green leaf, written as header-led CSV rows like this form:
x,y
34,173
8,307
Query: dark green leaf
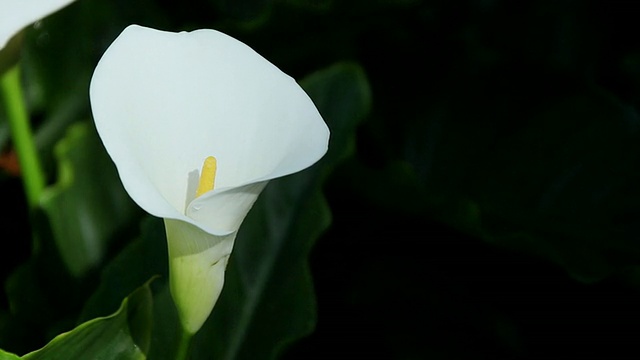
x,y
314,5
140,260
541,165
123,335
88,203
248,14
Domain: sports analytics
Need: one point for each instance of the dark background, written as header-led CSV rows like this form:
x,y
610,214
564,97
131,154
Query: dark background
x,y
515,235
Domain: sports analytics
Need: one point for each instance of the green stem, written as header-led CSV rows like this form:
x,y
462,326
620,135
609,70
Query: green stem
x,y
184,345
31,170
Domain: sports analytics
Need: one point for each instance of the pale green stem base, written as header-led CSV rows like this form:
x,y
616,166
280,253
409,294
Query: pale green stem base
x,y
185,345
18,116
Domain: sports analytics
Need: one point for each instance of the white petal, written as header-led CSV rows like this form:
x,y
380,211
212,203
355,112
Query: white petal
x,y
162,102
17,14
223,212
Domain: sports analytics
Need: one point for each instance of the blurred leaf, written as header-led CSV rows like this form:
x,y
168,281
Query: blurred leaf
x,y
572,198
123,335
314,5
88,203
373,184
57,61
166,326
248,14
268,299
42,298
540,164
10,54
59,55
140,260
342,95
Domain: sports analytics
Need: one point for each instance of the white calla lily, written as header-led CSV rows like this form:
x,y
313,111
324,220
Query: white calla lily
x,y
162,103
17,14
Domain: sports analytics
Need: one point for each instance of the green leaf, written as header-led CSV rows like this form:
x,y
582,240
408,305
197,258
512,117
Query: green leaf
x,y
268,299
123,335
88,203
140,260
8,356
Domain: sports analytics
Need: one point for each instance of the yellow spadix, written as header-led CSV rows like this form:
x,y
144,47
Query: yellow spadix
x,y
207,176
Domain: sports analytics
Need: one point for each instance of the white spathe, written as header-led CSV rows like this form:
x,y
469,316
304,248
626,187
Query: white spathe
x,y
17,14
162,102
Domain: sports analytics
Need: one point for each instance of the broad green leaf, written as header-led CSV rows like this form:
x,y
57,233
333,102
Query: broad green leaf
x,y
88,204
268,299
123,335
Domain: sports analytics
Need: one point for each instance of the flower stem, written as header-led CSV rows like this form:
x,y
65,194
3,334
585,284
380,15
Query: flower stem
x,y
31,170
184,345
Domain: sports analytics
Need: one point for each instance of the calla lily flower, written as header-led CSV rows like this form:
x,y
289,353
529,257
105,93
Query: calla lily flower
x,y
167,105
17,14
